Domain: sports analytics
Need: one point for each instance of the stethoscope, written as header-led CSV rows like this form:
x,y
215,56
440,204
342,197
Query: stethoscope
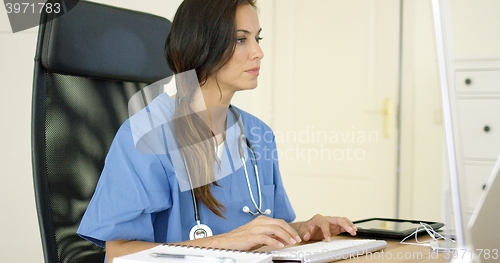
x,y
201,230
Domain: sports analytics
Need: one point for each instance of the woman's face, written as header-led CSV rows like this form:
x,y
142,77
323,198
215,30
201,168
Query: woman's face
x,y
242,70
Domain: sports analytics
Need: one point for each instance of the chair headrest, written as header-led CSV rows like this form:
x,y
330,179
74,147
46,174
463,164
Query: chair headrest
x,y
95,40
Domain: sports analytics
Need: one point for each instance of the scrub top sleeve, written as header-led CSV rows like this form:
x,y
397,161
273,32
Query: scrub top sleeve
x,y
132,186
282,207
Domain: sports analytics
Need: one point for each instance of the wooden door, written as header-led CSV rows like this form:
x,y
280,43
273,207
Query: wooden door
x,y
329,90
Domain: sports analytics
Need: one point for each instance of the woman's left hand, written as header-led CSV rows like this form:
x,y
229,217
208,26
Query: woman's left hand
x,y
323,227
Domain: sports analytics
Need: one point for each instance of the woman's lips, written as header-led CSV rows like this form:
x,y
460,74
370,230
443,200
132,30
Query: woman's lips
x,y
254,71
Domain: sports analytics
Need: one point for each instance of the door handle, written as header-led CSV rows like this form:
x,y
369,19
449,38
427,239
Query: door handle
x,y
386,114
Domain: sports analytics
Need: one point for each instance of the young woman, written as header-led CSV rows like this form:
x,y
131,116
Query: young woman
x,y
139,203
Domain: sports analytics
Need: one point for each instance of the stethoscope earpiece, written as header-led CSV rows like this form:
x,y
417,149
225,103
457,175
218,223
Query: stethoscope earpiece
x,y
247,210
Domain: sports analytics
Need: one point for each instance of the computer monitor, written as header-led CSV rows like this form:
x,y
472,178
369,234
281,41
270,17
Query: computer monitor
x,y
484,230
444,52
480,240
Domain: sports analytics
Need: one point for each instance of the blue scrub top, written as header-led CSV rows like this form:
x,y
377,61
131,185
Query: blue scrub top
x,y
138,195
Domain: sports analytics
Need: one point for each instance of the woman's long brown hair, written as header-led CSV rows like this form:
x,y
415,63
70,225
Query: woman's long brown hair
x,y
203,38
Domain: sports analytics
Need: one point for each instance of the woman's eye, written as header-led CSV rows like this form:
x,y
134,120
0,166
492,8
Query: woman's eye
x,y
258,39
242,40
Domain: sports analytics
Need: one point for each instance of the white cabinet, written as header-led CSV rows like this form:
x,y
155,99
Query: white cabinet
x,y
478,101
477,174
478,82
475,60
479,127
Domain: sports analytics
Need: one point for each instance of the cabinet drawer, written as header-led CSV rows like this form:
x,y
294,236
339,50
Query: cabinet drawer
x,y
478,82
479,124
476,176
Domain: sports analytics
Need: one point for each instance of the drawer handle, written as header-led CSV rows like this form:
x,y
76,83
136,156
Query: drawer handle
x,y
486,128
468,81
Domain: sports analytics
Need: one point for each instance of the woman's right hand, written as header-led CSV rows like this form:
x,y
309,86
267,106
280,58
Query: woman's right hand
x,y
259,232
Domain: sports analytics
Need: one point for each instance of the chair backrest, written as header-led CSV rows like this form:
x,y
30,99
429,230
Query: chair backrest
x,y
88,63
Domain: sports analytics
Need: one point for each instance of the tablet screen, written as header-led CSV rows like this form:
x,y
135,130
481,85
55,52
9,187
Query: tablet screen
x,y
387,225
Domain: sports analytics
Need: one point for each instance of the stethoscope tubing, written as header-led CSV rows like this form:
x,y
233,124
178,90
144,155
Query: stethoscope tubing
x,y
195,204
242,139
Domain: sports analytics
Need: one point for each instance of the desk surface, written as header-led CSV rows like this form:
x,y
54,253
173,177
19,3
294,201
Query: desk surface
x,y
396,252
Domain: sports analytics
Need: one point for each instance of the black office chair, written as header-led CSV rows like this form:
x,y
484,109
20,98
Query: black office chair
x,y
88,63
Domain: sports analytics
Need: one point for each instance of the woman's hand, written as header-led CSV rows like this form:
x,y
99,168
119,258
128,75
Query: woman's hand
x,y
259,232
323,227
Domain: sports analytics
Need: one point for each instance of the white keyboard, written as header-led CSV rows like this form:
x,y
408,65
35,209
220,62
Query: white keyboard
x,y
323,251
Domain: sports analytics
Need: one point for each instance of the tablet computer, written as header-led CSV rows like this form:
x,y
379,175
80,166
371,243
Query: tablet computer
x,y
389,228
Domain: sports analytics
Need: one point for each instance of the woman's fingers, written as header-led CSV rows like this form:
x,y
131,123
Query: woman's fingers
x,y
278,228
345,224
307,236
320,227
294,236
269,241
261,231
310,227
323,224
278,232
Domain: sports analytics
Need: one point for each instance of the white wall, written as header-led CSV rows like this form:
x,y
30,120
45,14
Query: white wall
x,y
19,230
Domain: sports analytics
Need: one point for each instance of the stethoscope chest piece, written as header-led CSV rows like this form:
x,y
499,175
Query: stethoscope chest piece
x,y
200,231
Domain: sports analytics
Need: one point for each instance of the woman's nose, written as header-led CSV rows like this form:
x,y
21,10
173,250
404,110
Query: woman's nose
x,y
257,52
